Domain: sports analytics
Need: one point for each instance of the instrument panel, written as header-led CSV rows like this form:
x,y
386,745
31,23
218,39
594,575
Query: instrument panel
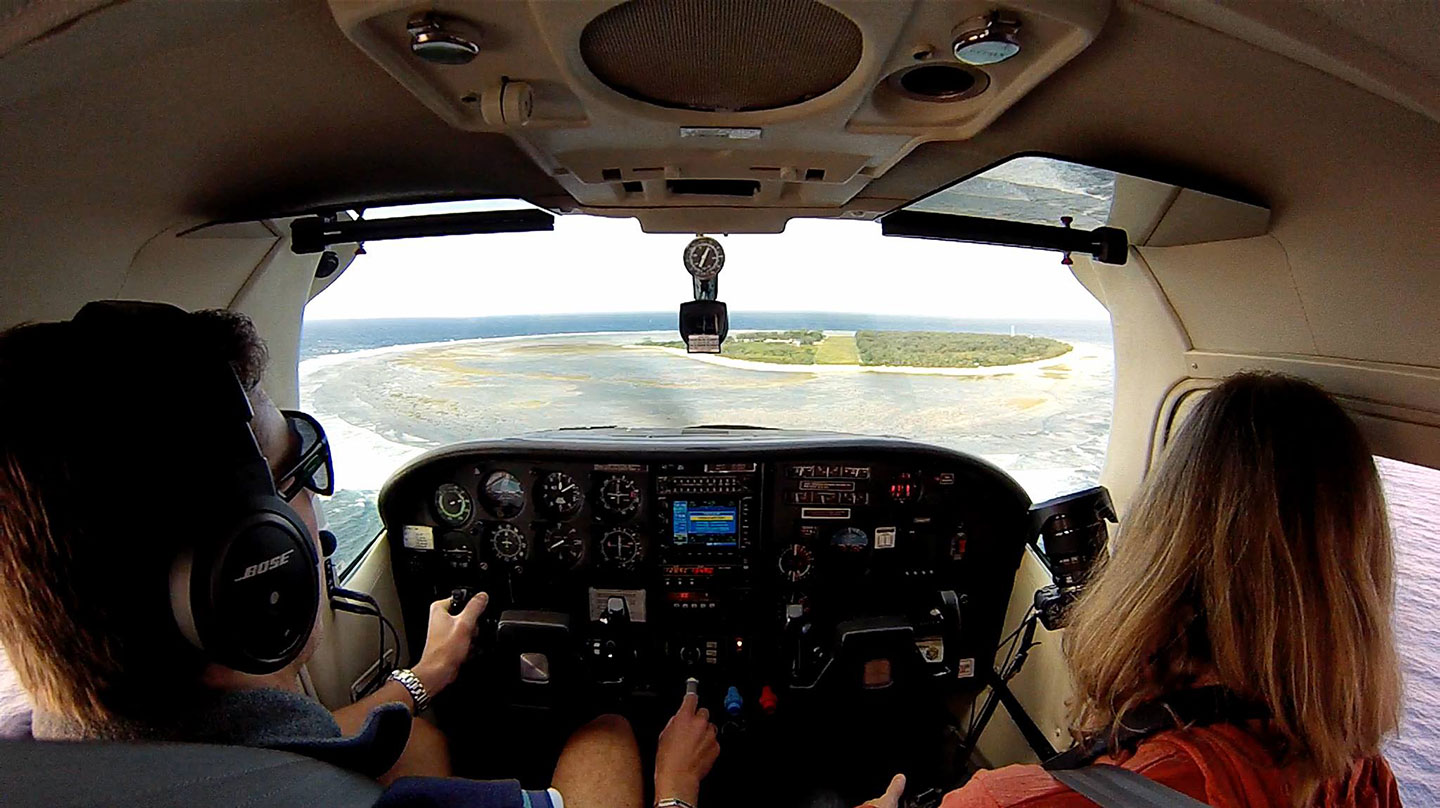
x,y
778,565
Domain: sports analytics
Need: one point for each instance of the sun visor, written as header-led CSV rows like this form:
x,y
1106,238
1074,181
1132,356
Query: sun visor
x,y
1049,203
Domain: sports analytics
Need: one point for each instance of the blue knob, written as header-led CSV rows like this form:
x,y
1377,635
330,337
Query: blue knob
x,y
733,701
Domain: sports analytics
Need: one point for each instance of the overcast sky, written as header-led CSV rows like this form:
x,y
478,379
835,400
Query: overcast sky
x,y
593,264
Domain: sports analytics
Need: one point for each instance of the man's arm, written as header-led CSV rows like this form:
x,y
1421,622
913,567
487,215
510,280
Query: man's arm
x,y
447,644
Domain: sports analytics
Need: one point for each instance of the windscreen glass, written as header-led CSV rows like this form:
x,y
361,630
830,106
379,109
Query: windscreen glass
x,y
994,351
1035,190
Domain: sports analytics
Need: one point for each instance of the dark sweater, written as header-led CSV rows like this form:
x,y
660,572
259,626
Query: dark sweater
x,y
262,718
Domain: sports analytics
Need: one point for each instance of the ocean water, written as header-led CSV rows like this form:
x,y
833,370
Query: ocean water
x,y
321,337
510,375
1413,494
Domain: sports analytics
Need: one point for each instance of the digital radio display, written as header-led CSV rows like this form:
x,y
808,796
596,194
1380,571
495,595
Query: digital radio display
x,y
704,524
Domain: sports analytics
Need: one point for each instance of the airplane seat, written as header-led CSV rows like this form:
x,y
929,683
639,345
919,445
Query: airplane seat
x,y
80,774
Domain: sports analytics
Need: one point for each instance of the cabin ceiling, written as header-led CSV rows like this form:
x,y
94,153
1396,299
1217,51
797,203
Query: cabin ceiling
x,y
126,120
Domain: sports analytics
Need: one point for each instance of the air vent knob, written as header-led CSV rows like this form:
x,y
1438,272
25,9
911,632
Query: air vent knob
x,y
989,40
430,41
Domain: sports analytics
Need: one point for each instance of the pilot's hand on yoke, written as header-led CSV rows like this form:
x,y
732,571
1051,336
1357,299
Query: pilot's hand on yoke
x,y
447,642
687,749
891,797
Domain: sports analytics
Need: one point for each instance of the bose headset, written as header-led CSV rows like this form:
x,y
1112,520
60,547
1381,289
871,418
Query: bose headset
x,y
246,586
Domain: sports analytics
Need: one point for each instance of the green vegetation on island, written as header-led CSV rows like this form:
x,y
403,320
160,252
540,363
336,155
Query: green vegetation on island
x,y
923,349
944,349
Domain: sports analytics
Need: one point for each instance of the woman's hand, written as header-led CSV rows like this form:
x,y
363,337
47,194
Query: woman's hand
x,y
686,751
447,642
891,797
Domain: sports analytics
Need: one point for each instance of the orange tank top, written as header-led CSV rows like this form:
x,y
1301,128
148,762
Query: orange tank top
x,y
1221,765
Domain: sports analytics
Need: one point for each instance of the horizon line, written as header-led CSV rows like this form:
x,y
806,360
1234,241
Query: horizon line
x,y
741,314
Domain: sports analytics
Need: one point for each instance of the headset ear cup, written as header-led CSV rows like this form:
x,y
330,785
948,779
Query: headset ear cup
x,y
252,602
181,604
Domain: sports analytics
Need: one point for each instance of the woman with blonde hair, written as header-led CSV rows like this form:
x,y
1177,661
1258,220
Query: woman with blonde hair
x,y
1254,570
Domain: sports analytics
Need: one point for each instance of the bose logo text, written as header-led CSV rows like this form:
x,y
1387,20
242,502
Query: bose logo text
x,y
265,566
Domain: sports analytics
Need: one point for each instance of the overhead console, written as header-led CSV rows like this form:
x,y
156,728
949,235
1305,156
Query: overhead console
x,y
655,104
785,570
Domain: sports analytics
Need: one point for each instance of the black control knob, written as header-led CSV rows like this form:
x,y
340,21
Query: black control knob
x,y
458,598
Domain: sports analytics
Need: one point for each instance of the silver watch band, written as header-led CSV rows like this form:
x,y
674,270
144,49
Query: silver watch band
x,y
414,686
672,802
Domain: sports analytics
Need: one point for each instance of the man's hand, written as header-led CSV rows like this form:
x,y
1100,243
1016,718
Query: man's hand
x,y
891,797
686,751
447,642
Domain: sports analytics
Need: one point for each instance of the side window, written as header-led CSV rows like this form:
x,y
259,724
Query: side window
x,y
1413,493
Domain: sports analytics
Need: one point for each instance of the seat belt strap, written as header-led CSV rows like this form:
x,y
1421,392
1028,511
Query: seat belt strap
x,y
1113,787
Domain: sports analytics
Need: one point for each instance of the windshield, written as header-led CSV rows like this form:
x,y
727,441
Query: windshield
x,y
994,351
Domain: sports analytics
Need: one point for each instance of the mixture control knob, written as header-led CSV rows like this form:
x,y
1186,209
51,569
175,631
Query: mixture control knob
x,y
768,700
733,701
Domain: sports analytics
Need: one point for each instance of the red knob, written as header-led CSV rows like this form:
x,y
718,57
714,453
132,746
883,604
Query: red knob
x,y
768,700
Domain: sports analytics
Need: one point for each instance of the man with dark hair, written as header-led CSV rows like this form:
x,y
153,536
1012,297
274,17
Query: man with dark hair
x,y
88,446
104,476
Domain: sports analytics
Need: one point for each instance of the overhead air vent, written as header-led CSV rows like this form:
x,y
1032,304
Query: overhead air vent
x,y
735,56
939,81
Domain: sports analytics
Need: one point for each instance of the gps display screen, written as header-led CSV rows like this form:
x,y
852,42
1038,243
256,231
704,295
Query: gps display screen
x,y
699,524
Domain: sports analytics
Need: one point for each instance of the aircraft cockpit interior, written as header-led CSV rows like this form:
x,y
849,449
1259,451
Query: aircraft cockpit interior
x,y
797,360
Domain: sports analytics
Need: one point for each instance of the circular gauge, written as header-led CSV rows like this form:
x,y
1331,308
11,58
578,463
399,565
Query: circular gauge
x,y
560,494
906,489
850,539
453,505
619,495
504,494
796,563
704,258
508,543
565,545
622,547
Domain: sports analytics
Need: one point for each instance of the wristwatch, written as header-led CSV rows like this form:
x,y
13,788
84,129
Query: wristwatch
x,y
673,802
414,686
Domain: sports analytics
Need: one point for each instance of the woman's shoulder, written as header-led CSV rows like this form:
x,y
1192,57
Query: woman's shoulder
x,y
1184,764
1223,766
1369,784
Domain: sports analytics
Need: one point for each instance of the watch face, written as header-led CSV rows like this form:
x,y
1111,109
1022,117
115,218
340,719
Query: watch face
x,y
704,258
